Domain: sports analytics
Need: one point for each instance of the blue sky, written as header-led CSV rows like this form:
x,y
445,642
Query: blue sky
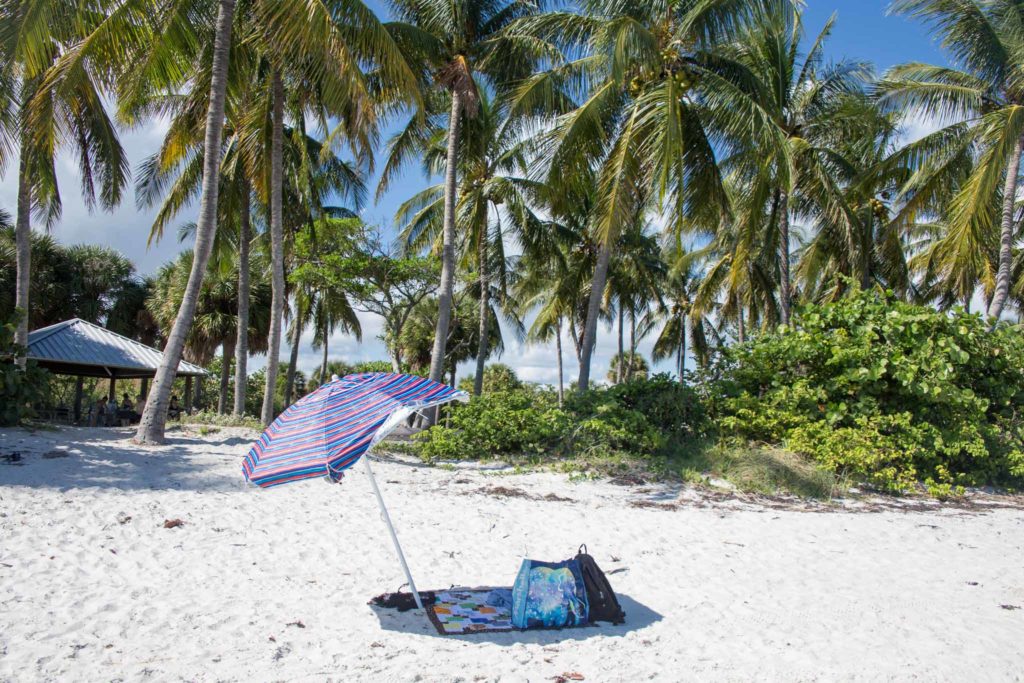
x,y
863,31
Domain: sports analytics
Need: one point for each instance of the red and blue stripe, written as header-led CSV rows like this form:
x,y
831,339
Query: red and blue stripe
x,y
327,431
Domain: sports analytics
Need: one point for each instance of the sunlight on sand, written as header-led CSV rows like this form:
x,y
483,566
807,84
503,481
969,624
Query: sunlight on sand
x,y
273,584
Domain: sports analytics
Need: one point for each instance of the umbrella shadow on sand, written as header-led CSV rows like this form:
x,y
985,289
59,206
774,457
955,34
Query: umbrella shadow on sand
x,y
638,616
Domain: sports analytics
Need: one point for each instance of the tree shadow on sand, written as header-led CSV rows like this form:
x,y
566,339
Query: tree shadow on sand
x,y
638,616
76,458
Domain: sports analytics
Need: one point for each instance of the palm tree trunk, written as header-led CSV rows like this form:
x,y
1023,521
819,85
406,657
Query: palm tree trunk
x,y
577,343
276,247
867,244
633,344
323,363
293,360
1002,290
687,326
200,399
23,251
242,335
444,304
621,358
682,347
485,309
593,311
558,348
741,329
225,377
154,417
784,287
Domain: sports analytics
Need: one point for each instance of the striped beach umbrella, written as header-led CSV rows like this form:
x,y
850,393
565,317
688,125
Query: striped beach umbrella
x,y
327,431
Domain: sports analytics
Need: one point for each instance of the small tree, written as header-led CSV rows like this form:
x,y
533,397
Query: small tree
x,y
497,377
391,286
635,367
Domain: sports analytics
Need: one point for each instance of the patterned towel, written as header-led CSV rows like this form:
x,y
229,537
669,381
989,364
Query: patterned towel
x,y
459,611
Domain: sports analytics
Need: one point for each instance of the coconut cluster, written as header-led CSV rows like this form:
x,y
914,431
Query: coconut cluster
x,y
671,67
879,208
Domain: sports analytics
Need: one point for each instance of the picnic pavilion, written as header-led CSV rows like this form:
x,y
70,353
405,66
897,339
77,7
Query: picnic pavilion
x,y
82,349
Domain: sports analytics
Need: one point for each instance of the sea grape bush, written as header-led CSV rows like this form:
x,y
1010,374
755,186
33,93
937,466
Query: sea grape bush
x,y
642,417
524,421
883,390
871,388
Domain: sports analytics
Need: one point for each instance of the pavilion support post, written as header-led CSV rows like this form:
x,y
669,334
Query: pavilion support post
x,y
391,530
79,389
199,392
112,392
188,395
144,387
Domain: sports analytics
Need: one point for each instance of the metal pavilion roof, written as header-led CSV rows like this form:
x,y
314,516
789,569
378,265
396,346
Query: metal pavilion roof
x,y
78,347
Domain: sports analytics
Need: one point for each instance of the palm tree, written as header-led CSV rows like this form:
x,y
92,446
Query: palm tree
x,y
982,94
321,49
792,160
636,366
276,243
78,281
681,286
871,247
635,276
46,109
216,323
548,288
641,119
459,41
215,320
165,52
152,54
494,208
314,172
331,312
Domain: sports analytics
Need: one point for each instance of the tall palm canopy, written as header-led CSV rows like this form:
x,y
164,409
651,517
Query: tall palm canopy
x,y
643,75
681,174
456,42
983,97
47,107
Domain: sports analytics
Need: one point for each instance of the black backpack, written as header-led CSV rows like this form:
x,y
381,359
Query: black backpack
x,y
604,606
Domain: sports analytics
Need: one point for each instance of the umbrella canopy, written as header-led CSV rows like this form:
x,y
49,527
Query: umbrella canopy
x,y
327,431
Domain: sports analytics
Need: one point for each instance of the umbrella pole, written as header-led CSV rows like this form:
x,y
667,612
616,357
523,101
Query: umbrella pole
x,y
391,530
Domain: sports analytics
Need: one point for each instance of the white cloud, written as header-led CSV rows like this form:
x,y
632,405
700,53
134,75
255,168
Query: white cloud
x,y
915,126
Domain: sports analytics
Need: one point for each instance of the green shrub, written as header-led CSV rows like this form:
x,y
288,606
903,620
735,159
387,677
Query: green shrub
x,y
639,418
509,422
497,377
642,417
20,389
883,390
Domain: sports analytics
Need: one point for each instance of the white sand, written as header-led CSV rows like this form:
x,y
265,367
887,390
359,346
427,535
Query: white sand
x,y
712,590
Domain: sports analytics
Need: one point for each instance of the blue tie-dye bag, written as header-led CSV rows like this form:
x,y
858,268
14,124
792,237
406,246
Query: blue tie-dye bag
x,y
549,595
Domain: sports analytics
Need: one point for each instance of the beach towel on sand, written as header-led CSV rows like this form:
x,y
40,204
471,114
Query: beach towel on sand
x,y
471,610
458,611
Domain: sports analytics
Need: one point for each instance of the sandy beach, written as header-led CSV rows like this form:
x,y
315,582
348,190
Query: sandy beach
x,y
266,585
